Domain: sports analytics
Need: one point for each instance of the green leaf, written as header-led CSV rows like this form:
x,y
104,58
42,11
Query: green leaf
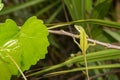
x,y
33,41
99,12
81,69
5,73
76,9
115,35
108,54
88,5
99,1
1,5
29,3
26,45
7,30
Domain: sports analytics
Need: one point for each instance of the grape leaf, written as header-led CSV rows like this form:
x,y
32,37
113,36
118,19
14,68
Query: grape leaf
x,y
7,31
33,39
26,45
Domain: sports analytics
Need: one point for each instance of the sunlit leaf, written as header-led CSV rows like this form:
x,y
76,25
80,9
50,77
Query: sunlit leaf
x,y
26,45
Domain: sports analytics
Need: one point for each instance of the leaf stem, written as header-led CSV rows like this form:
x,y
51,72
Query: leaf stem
x,y
17,66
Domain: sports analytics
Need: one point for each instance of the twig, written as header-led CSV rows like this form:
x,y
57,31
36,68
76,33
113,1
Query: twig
x,y
62,32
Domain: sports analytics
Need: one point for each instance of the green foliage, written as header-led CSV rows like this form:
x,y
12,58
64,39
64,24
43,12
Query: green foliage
x,y
99,12
26,45
109,54
113,34
82,68
18,7
76,9
1,5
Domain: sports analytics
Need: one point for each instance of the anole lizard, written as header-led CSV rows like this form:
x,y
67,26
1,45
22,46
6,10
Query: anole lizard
x,y
83,45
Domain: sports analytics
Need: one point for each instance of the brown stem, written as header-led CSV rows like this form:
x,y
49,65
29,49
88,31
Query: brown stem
x,y
62,32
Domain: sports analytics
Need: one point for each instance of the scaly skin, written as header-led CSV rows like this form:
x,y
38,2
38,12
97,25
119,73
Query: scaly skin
x,y
83,45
